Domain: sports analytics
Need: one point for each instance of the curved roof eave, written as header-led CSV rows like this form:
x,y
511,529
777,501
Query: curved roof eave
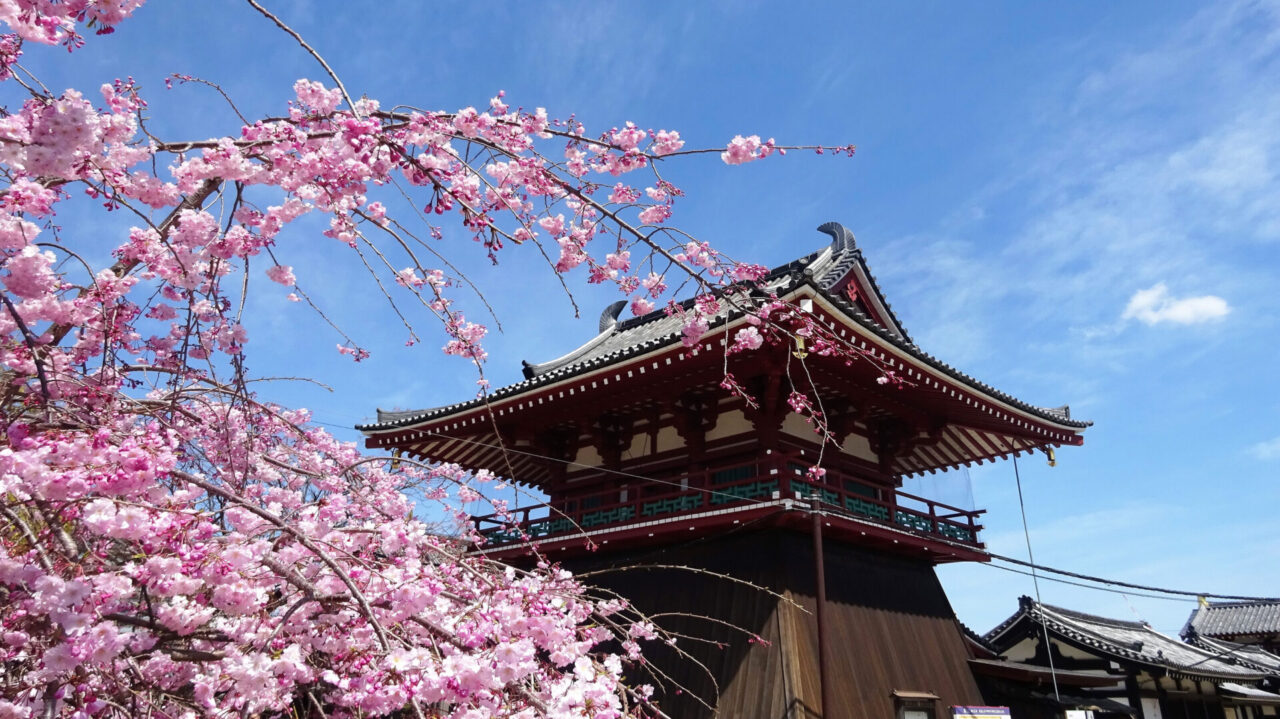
x,y
388,421
1060,622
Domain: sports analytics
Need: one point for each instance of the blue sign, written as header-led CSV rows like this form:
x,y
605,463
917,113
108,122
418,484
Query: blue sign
x,y
980,712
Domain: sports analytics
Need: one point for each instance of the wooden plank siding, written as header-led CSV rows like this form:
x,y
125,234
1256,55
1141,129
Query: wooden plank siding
x,y
889,627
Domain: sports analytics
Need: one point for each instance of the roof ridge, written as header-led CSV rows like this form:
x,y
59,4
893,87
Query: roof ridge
x,y
600,350
1244,653
848,258
1150,646
976,638
1119,623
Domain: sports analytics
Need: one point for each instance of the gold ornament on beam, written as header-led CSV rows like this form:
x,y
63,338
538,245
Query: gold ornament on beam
x,y
806,306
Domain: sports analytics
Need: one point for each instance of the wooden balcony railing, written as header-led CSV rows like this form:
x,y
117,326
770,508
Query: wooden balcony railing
x,y
736,485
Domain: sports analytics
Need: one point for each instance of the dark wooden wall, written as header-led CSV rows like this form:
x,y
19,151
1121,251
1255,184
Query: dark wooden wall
x,y
889,627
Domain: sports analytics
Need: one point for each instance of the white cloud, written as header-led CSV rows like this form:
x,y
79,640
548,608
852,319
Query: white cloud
x,y
1155,305
1269,449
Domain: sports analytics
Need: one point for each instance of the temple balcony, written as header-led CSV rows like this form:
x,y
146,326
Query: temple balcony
x,y
772,492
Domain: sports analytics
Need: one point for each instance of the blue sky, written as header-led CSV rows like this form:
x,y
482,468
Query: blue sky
x,y
1075,203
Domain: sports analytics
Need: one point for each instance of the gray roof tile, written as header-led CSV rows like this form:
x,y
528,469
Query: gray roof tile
x,y
1130,641
620,339
1246,653
1233,619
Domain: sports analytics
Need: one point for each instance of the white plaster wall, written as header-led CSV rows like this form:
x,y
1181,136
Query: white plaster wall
x,y
795,426
1022,651
729,424
857,445
668,439
587,456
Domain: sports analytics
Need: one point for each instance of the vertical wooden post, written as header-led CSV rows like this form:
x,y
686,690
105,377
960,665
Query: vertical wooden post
x,y
821,613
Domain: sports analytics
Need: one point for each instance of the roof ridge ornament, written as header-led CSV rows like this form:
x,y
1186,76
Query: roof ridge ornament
x,y
842,238
606,327
609,317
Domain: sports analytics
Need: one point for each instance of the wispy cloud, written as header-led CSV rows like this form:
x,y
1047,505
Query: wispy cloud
x,y
1085,535
1155,305
1268,450
1126,185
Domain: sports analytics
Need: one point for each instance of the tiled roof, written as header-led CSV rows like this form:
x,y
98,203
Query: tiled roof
x,y
1234,619
1247,692
1127,641
1246,653
977,640
821,271
824,269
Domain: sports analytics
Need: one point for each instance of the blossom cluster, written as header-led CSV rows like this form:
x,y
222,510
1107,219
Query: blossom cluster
x,y
277,570
171,546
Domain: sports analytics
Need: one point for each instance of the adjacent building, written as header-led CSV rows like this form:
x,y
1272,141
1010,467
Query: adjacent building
x,y
1256,623
1049,660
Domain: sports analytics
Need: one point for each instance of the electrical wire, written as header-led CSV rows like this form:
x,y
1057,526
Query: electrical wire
x,y
1035,580
1130,585
1012,560
1089,586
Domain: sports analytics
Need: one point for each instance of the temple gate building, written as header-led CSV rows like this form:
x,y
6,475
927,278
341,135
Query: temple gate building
x,y
648,465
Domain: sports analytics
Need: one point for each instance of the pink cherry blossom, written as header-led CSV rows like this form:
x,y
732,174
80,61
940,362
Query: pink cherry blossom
x,y
30,273
745,149
283,274
666,142
693,330
553,225
741,150
655,215
628,138
620,260
623,194
747,338
173,544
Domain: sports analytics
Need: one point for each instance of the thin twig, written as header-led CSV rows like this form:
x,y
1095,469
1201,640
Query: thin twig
x,y
30,340
333,75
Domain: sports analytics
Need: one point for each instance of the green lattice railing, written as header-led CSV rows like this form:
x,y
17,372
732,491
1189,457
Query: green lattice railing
x,y
913,521
867,509
671,504
953,531
607,516
549,526
754,490
502,535
848,495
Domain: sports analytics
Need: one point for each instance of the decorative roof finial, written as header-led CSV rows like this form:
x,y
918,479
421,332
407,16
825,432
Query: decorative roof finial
x,y
609,317
841,238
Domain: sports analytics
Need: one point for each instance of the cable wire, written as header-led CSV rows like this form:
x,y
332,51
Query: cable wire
x,y
1130,585
1012,560
1035,580
1088,586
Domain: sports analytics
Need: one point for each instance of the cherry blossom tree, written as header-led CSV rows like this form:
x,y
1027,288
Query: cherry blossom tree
x,y
172,546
